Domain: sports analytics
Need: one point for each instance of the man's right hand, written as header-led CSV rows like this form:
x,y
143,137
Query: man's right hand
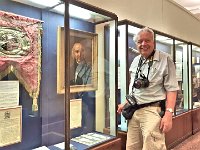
x,y
120,107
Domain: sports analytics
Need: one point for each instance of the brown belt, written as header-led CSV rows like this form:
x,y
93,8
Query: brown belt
x,y
156,103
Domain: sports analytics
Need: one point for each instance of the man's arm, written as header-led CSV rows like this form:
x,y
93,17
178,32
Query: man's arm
x,y
166,122
171,99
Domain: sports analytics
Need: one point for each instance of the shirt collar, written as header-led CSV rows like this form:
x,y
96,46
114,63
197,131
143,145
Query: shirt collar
x,y
156,55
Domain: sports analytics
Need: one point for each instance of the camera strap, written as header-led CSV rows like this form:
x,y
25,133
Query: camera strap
x,y
150,63
141,63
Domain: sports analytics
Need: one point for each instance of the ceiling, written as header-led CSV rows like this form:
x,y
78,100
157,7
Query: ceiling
x,y
192,5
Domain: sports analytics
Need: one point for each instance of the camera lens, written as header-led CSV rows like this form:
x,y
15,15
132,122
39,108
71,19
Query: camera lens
x,y
137,84
141,83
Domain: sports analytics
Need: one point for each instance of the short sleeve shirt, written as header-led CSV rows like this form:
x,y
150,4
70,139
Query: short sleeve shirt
x,y
162,78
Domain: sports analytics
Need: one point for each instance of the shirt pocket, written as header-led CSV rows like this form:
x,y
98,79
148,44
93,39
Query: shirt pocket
x,y
155,75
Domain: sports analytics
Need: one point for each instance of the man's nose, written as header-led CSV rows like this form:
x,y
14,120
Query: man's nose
x,y
144,42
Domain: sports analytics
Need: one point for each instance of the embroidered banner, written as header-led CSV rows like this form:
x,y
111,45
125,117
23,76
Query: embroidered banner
x,y
20,51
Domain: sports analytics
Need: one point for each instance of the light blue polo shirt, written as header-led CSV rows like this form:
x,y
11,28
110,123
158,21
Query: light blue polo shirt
x,y
162,78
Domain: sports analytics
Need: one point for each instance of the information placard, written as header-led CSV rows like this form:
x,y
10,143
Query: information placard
x,y
10,125
9,94
75,113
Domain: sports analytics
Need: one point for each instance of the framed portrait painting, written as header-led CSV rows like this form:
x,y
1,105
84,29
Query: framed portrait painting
x,y
83,61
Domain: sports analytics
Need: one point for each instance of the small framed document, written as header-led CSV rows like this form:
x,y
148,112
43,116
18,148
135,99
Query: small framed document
x,y
75,113
10,125
9,94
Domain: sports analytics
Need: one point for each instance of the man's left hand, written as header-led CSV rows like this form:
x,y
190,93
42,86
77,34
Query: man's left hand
x,y
166,122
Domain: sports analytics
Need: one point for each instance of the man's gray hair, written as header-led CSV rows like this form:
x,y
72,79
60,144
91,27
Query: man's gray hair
x,y
145,29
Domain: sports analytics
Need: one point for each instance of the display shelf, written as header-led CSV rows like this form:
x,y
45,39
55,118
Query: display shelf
x,y
85,141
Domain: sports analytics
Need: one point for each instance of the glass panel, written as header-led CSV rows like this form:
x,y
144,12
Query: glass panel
x,y
164,44
181,50
121,92
125,59
195,76
92,79
132,49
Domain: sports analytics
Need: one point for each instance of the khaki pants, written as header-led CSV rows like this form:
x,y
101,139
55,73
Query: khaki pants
x,y
143,130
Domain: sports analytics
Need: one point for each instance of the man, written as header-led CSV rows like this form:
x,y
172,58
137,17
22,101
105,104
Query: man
x,y
153,81
82,74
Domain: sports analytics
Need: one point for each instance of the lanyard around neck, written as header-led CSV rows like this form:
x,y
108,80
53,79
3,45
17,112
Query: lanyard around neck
x,y
141,63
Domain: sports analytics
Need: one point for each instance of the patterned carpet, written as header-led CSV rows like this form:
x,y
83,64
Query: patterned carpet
x,y
192,143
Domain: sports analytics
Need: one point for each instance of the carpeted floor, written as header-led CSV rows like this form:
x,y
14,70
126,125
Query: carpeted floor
x,y
192,143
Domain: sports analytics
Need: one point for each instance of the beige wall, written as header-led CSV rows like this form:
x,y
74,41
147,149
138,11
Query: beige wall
x,y
162,15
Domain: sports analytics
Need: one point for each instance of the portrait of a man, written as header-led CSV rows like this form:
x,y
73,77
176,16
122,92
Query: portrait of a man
x,y
83,61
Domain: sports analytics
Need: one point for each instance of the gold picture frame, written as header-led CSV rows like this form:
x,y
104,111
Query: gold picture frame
x,y
89,41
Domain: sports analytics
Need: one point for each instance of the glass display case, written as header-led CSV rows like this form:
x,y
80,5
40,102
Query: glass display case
x,y
90,70
195,76
128,51
58,63
165,44
182,75
177,49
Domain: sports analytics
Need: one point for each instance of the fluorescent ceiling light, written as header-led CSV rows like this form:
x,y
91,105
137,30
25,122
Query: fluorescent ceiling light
x,y
133,30
74,11
161,38
78,12
164,39
195,48
47,3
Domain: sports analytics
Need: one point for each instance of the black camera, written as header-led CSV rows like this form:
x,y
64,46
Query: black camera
x,y
141,82
131,100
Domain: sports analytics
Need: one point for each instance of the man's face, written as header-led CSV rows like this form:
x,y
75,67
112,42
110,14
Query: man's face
x,y
145,44
78,53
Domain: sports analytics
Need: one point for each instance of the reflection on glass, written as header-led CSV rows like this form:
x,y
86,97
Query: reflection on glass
x,y
195,76
182,76
132,50
164,44
127,54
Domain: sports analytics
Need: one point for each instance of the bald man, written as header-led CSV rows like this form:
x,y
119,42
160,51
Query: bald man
x,y
82,68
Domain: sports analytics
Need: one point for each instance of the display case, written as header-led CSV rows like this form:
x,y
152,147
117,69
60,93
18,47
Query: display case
x,y
195,76
195,88
182,66
178,50
58,63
